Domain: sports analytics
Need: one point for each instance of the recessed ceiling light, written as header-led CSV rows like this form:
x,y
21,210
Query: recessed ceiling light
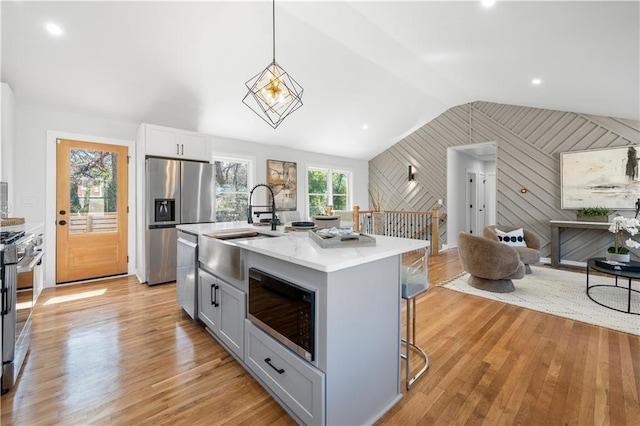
x,y
536,82
365,126
488,3
54,29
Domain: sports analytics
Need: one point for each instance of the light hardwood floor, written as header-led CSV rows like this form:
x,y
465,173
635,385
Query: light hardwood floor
x,y
117,352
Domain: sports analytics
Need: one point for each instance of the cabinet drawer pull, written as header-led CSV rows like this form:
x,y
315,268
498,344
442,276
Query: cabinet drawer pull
x,y
181,149
268,361
177,149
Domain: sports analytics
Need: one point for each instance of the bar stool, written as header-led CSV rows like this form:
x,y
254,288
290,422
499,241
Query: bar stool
x,y
415,281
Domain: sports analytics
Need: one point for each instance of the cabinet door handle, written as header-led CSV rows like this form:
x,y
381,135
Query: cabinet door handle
x,y
177,149
63,222
214,295
268,361
182,149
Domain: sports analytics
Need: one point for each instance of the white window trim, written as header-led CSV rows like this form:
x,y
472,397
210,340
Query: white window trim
x,y
234,158
330,170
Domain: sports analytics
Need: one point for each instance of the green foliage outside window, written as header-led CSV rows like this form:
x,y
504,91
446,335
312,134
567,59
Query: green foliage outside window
x,y
340,191
317,192
320,194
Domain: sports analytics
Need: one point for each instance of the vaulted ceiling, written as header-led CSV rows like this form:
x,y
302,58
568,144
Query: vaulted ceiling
x,y
387,65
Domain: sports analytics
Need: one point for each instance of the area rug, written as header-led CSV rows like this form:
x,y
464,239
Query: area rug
x,y
563,293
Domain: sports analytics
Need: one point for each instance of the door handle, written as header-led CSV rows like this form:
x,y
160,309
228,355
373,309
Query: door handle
x,y
63,222
177,149
182,149
5,301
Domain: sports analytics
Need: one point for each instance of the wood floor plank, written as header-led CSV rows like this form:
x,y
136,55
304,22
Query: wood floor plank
x,y
116,352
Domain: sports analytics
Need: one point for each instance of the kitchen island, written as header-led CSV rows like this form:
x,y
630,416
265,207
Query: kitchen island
x,y
352,374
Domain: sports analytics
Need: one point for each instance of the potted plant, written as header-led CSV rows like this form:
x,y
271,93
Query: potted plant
x,y
619,226
593,214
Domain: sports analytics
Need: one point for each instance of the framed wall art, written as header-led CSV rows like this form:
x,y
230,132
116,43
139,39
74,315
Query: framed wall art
x,y
600,178
282,177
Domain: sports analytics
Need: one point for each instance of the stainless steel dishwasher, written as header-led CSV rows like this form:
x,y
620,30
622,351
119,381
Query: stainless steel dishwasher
x,y
187,273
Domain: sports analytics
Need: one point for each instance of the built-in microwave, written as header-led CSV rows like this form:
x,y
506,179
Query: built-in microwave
x,y
284,310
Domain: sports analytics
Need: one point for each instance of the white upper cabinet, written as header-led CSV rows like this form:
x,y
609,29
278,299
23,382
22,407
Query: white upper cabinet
x,y
174,143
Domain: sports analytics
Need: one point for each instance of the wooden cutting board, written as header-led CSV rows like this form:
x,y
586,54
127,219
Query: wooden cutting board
x,y
229,235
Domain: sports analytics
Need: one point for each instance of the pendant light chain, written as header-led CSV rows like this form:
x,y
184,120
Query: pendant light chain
x,y
274,31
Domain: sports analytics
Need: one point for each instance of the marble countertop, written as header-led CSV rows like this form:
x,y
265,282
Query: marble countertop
x,y
298,248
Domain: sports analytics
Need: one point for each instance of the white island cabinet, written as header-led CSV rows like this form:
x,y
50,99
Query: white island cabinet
x,y
222,307
355,376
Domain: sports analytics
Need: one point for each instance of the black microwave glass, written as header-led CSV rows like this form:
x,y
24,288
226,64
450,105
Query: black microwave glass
x,y
284,310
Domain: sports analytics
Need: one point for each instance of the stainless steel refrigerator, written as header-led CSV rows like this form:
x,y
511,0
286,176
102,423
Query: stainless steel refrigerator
x,y
178,192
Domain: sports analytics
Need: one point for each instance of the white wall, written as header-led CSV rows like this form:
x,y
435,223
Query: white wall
x,y
33,157
7,145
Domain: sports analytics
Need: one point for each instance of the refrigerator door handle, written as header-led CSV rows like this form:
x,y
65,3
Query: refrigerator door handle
x,y
5,301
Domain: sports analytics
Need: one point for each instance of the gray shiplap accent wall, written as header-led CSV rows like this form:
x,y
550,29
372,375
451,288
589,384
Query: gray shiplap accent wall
x,y
529,142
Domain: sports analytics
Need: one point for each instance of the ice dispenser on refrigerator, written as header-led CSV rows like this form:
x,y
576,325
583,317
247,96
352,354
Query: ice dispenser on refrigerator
x,y
165,210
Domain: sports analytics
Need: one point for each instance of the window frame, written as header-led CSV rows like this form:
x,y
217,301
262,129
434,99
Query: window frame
x,y
234,158
330,170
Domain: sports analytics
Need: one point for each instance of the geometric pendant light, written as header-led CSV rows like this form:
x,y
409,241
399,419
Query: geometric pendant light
x,y
273,94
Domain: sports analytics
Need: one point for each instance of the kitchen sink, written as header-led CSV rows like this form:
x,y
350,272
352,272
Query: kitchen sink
x,y
219,253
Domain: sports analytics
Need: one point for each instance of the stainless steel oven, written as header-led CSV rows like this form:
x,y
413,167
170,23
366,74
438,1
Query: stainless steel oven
x,y
284,310
19,254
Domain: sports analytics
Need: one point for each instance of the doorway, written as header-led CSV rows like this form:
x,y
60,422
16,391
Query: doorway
x,y
471,189
91,210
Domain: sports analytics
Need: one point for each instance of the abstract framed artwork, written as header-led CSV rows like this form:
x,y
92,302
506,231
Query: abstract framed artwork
x,y
600,178
282,178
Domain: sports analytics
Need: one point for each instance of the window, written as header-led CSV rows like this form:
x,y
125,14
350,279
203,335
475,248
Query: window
x,y
327,186
232,189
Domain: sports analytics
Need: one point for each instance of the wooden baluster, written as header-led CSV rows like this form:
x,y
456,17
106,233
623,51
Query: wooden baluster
x,y
356,218
434,230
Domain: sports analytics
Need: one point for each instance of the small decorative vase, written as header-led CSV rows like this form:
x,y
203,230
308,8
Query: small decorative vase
x,y
619,257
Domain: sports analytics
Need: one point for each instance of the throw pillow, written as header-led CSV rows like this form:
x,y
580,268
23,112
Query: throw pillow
x,y
514,238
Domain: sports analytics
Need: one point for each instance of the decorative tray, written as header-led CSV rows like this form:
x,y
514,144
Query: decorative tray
x,y
341,241
631,266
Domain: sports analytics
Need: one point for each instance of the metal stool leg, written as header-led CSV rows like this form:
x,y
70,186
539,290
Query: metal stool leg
x,y
410,343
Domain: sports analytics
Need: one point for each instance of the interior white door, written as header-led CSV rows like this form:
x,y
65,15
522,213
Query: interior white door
x,y
481,202
472,202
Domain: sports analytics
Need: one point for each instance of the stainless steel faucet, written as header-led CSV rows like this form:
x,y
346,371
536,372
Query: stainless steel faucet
x,y
274,219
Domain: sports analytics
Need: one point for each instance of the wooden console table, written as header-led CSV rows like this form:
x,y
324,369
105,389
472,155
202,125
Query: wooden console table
x,y
556,228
